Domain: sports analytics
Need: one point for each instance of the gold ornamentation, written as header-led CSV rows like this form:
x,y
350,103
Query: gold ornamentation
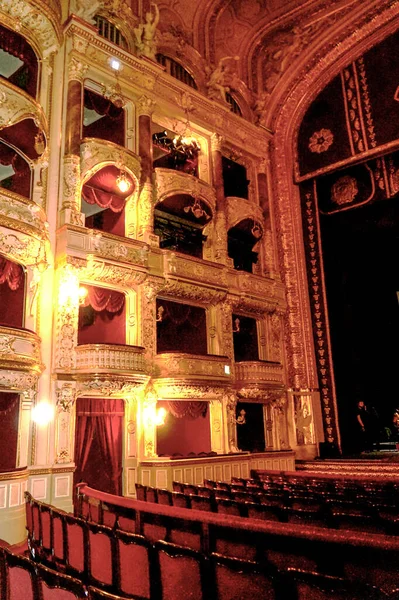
x,y
18,380
145,106
108,358
216,142
170,182
42,21
344,190
62,457
65,394
16,105
95,153
71,195
86,9
77,69
320,141
186,366
115,387
259,372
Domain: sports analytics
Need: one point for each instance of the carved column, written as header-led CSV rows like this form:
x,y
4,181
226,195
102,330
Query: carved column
x,y
74,116
268,251
149,426
280,427
220,241
65,393
67,319
216,422
148,293
230,405
145,108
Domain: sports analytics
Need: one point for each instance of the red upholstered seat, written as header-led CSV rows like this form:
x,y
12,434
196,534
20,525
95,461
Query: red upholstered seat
x,y
46,534
134,555
20,578
227,507
181,572
326,587
151,494
140,491
59,536
164,497
181,500
101,550
76,542
57,586
238,579
201,503
96,594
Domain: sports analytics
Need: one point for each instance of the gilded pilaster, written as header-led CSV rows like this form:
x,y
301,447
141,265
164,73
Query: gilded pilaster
x,y
220,220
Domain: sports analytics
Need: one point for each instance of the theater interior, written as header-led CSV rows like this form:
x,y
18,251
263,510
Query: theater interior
x,y
199,299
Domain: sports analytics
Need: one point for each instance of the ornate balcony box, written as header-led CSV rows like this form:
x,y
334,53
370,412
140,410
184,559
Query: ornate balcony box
x,y
178,365
20,350
259,372
21,214
17,105
260,289
170,182
86,243
110,359
239,209
94,151
195,270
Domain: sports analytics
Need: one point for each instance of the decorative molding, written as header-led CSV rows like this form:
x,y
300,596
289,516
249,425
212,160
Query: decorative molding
x,y
42,18
77,69
16,105
95,153
169,182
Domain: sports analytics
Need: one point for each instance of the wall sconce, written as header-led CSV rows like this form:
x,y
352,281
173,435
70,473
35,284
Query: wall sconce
x,y
43,413
160,312
197,210
236,327
123,182
115,64
160,416
69,289
82,295
256,231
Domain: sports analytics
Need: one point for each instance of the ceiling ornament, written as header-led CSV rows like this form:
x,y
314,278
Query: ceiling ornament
x,y
321,140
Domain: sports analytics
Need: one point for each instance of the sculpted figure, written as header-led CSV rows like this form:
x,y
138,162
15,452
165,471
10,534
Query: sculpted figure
x,y
145,34
86,9
219,79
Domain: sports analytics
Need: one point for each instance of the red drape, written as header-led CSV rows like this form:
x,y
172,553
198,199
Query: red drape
x,y
10,273
9,416
102,299
101,105
99,424
188,410
102,198
181,313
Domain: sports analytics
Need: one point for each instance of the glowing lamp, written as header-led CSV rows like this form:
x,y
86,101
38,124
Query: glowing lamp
x,y
82,295
115,64
43,413
123,182
227,369
160,417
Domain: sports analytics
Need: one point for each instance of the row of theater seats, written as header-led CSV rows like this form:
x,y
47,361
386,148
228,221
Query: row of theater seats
x,y
270,502
24,579
351,556
134,567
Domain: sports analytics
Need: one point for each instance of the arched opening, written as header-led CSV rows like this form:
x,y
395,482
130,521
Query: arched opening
x,y
181,328
99,443
354,208
102,317
12,294
245,338
18,62
9,415
103,119
179,221
186,431
175,151
176,70
234,179
103,200
240,242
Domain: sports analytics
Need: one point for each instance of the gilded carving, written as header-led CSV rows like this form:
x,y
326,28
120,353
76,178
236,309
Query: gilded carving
x,y
239,209
20,248
71,191
145,106
193,292
18,380
113,387
169,182
344,190
16,105
105,247
116,274
77,69
95,152
43,24
86,9
65,394
21,214
320,141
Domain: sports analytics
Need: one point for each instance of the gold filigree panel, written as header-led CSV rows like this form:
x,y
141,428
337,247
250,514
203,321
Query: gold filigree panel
x,y
96,153
191,366
169,182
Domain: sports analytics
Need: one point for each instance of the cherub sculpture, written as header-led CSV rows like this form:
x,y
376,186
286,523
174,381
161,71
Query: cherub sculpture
x,y
145,34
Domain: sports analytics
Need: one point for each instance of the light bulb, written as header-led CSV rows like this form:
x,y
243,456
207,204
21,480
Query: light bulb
x,y
43,413
123,182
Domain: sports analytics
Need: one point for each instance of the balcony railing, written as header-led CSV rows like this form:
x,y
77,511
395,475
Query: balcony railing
x,y
259,372
20,350
170,182
94,151
178,365
20,105
110,359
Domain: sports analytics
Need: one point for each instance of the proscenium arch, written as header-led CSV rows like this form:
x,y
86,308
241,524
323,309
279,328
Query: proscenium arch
x,y
287,111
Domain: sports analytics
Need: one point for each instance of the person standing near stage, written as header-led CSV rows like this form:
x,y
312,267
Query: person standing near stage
x,y
365,427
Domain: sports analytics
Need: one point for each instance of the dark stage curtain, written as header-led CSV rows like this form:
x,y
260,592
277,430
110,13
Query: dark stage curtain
x,y
9,416
98,443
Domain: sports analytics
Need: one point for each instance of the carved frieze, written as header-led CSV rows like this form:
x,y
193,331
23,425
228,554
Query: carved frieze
x,y
194,390
274,396
43,23
187,366
186,267
104,246
193,292
113,387
19,247
22,214
18,380
77,69
261,373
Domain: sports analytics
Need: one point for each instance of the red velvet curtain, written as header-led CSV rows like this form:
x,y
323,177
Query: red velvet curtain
x,y
188,410
101,105
10,273
9,416
104,199
102,299
99,426
14,44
